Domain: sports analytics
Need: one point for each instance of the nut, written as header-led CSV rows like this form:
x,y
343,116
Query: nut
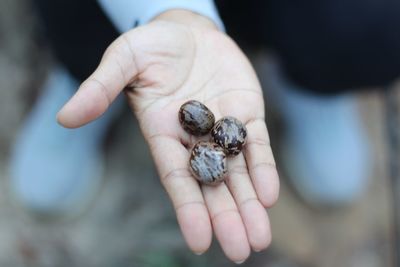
x,y
208,163
230,134
196,118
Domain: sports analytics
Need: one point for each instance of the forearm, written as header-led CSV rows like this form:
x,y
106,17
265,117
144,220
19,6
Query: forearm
x,y
125,14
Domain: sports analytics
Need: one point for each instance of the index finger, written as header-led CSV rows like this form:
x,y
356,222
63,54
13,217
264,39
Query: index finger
x,y
171,159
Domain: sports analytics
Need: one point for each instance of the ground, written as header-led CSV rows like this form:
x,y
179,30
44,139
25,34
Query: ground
x,y
126,227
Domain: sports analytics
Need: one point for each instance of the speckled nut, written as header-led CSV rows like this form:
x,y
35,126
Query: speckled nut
x,y
230,134
208,163
196,118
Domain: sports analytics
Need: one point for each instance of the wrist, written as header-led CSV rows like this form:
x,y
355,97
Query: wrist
x,y
188,18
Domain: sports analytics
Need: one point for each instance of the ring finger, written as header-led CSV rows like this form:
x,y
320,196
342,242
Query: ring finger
x,y
253,214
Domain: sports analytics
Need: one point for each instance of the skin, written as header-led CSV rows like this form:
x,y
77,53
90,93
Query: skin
x,y
178,57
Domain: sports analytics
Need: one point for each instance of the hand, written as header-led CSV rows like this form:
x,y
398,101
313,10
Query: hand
x,y
178,57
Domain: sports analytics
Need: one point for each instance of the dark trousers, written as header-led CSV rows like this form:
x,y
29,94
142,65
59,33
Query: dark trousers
x,y
326,46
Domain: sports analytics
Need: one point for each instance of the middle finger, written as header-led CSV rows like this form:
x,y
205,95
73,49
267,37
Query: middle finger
x,y
253,214
227,223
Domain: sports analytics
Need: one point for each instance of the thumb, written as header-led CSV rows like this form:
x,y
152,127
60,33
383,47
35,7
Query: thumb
x,y
116,70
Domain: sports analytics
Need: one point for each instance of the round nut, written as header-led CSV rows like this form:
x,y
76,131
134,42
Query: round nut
x,y
196,118
230,134
208,163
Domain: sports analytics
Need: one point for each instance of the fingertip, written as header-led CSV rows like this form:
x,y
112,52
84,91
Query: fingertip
x,y
268,242
267,185
64,119
257,224
89,103
231,234
196,227
263,243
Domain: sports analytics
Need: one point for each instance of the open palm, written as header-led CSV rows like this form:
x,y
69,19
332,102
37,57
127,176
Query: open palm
x,y
160,66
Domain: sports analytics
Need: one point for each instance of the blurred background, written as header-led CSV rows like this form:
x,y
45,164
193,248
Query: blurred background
x,y
132,223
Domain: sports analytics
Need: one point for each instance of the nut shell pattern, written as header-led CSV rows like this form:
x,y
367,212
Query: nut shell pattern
x,y
196,118
208,163
230,134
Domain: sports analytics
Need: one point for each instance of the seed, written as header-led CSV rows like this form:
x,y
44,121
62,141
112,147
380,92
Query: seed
x,y
196,118
208,163
230,134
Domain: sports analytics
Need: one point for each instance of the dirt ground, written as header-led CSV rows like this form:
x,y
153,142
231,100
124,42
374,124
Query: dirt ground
x,y
126,227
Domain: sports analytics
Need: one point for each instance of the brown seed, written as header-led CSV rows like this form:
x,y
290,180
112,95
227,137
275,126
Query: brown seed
x,y
196,118
208,163
230,134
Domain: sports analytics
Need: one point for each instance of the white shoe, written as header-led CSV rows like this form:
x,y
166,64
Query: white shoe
x,y
54,169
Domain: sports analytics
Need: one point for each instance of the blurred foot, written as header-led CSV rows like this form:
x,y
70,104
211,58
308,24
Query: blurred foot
x,y
325,149
56,170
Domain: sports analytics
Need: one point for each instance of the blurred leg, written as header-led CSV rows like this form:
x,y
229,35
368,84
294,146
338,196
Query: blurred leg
x,y
53,169
325,148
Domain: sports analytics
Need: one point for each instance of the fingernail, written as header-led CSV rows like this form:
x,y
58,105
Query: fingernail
x,y
198,253
239,262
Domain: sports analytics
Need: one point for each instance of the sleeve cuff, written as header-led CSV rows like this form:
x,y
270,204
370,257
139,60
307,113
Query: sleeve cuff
x,y
125,14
